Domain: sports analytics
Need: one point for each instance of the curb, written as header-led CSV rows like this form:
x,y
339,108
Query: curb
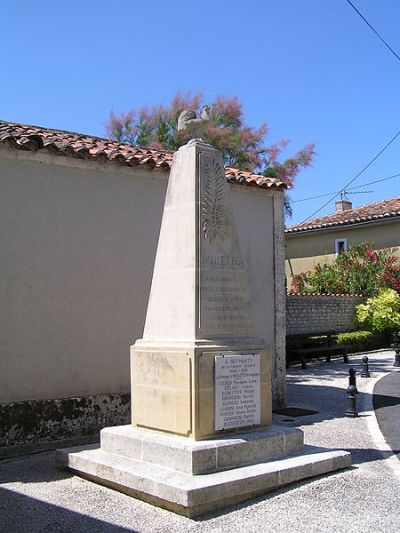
x,y
375,431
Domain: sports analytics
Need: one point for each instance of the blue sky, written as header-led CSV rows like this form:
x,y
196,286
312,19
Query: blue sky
x,y
311,69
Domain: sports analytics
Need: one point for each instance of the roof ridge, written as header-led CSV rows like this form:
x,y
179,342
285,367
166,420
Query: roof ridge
x,y
363,213
371,203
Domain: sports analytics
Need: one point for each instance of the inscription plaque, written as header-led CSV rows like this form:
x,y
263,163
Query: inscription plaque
x,y
237,391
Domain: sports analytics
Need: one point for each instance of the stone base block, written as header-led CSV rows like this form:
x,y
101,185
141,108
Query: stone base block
x,y
205,456
119,464
181,380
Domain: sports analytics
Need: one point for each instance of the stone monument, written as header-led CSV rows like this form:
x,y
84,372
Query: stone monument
x,y
201,435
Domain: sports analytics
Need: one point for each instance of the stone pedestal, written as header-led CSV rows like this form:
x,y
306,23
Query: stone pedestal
x,y
201,434
199,312
178,391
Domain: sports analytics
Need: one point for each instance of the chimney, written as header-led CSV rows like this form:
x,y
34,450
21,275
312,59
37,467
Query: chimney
x,y
343,205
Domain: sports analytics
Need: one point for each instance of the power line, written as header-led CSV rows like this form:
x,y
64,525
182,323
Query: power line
x,y
375,181
373,29
349,189
355,177
313,197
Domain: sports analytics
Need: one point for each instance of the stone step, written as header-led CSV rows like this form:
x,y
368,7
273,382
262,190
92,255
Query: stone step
x,y
194,495
203,456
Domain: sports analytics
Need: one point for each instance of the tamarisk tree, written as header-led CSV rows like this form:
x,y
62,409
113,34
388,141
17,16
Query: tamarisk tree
x,y
242,146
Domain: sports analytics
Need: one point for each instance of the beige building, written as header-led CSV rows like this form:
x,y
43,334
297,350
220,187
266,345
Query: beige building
x,y
321,239
80,218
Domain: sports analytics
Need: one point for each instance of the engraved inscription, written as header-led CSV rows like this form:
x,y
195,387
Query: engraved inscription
x,y
225,307
237,391
222,261
213,214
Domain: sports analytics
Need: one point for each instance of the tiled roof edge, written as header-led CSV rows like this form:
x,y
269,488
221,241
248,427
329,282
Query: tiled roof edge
x,y
341,223
89,147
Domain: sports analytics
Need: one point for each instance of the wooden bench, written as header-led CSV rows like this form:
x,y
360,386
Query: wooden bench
x,y
305,347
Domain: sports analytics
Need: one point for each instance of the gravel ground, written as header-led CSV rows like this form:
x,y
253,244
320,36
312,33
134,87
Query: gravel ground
x,y
36,496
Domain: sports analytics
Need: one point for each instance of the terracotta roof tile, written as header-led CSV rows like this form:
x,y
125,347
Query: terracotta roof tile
x,y
65,143
377,211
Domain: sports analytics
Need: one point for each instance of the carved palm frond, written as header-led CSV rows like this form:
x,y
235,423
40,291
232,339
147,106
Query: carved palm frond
x,y
213,214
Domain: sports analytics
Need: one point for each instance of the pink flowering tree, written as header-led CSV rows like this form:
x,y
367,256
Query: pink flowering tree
x,y
242,146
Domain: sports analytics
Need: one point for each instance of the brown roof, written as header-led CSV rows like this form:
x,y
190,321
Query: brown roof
x,y
367,213
77,145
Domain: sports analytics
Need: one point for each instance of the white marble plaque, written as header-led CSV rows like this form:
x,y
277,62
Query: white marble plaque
x,y
237,391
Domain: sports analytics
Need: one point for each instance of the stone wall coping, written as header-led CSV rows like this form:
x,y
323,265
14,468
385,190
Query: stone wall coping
x,y
325,295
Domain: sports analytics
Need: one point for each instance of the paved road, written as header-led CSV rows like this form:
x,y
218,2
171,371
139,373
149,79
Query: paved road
x,y
35,496
386,400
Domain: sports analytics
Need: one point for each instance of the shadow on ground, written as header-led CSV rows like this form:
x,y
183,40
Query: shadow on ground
x,y
20,514
328,401
337,368
32,469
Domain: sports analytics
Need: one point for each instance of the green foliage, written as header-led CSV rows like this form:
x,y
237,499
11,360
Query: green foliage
x,y
360,341
361,270
242,146
382,312
353,341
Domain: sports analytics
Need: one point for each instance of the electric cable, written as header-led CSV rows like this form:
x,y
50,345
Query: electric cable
x,y
349,189
373,29
355,177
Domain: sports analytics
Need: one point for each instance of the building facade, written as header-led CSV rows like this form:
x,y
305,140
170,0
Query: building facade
x,y
320,240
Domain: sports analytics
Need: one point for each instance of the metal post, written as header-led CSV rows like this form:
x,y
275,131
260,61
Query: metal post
x,y
351,396
365,368
397,356
352,378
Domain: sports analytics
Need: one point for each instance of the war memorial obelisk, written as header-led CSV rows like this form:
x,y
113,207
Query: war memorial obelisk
x,y
201,435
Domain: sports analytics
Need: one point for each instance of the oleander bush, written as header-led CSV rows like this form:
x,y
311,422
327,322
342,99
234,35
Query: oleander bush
x,y
361,270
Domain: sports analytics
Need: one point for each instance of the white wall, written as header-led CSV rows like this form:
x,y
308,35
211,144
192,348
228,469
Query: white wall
x,y
78,241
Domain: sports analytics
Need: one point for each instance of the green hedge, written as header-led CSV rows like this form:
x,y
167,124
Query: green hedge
x,y
354,341
362,341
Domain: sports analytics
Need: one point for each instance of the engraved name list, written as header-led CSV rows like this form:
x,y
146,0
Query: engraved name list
x,y
237,391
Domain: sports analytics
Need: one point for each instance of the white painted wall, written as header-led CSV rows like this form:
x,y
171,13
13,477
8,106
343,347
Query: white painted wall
x,y
78,241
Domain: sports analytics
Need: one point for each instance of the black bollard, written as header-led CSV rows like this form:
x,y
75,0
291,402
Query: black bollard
x,y
352,379
345,357
351,396
397,356
365,368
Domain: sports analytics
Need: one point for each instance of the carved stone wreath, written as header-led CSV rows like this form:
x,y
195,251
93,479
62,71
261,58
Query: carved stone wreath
x,y
213,213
